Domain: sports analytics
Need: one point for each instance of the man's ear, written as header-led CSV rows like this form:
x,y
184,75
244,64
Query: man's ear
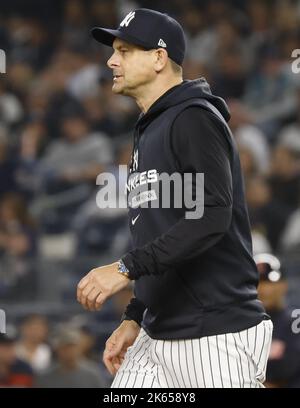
x,y
161,59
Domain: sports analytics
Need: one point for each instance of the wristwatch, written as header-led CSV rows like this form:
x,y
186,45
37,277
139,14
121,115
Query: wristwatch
x,y
122,269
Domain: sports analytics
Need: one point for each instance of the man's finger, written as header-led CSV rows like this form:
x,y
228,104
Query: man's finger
x,y
81,285
110,343
112,354
91,298
84,281
108,362
116,364
83,296
115,350
101,298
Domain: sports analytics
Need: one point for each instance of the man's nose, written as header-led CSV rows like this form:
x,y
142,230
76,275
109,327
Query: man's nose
x,y
112,62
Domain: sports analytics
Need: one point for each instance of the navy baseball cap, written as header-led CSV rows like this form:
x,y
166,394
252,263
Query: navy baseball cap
x,y
148,29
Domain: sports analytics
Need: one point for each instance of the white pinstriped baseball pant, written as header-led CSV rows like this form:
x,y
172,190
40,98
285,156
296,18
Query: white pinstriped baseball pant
x,y
232,360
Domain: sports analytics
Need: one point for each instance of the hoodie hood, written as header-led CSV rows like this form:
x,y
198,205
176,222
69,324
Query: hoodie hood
x,y
188,89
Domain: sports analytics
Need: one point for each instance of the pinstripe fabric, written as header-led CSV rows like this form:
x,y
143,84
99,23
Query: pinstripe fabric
x,y
231,360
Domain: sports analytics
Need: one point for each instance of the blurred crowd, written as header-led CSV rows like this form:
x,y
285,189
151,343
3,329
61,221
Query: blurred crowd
x,y
66,358
61,126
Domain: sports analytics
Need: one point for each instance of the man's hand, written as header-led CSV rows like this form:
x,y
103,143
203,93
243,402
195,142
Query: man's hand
x,y
118,343
99,284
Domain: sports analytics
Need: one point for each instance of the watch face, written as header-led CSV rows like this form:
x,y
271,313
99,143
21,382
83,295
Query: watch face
x,y
122,269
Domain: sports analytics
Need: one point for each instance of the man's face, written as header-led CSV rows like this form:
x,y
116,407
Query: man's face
x,y
35,330
133,67
68,354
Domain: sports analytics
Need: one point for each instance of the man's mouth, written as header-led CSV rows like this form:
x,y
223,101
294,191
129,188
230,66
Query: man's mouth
x,y
115,77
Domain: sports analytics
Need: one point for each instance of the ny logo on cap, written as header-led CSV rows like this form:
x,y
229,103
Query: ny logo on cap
x,y
130,16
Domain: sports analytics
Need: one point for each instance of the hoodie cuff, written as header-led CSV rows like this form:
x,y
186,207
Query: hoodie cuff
x,y
129,263
134,311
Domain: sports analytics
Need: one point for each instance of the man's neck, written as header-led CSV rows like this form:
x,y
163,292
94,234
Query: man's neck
x,y
149,96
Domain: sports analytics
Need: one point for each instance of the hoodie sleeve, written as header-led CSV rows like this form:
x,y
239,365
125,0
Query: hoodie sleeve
x,y
199,144
134,311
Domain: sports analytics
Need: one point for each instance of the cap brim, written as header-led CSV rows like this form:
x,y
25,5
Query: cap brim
x,y
106,36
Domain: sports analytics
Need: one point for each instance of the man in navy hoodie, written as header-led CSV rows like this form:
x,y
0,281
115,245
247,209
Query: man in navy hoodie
x,y
195,320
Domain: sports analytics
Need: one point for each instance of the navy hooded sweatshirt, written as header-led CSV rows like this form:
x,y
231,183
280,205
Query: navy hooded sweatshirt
x,y
193,277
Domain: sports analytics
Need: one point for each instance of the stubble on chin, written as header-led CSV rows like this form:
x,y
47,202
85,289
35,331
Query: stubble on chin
x,y
117,90
122,91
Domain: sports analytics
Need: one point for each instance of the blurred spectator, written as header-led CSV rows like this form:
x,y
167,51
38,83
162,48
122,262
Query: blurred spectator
x,y
75,34
289,39
193,69
32,346
285,177
17,247
20,75
286,16
270,92
283,368
260,15
248,163
272,200
105,12
249,136
99,116
69,170
70,370
267,215
290,240
29,41
230,78
87,342
289,136
8,165
100,227
13,371
59,102
78,157
11,110
91,348
83,83
200,39
33,140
